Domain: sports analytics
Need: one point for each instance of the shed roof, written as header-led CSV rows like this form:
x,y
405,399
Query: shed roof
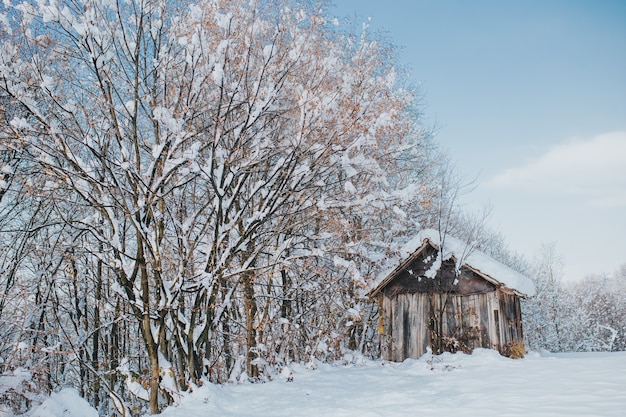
x,y
464,256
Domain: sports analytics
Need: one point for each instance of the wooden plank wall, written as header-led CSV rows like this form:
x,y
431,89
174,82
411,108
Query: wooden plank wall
x,y
511,319
477,320
405,326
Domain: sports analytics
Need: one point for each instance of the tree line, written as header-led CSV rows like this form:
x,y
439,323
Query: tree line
x,y
584,316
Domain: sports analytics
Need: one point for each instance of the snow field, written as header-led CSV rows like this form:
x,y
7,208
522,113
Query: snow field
x,y
482,384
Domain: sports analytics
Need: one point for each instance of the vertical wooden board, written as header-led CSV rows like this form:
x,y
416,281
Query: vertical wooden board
x,y
485,334
493,310
443,306
424,334
426,321
498,320
408,331
406,326
389,302
398,327
516,319
449,316
392,326
475,332
449,319
475,302
505,335
459,317
512,319
386,314
402,307
381,325
498,335
520,327
386,337
470,314
467,322
395,326
412,349
508,322
421,331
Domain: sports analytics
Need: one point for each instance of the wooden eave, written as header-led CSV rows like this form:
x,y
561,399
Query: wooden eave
x,y
403,265
409,260
494,281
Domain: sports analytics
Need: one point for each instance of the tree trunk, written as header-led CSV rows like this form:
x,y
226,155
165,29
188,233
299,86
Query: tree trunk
x,y
250,309
95,352
152,346
153,357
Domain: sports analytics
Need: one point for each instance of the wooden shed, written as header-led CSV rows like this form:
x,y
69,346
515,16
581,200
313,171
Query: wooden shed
x,y
445,296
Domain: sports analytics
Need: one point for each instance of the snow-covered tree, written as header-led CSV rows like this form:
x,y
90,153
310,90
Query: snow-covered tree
x,y
602,298
543,314
571,317
218,178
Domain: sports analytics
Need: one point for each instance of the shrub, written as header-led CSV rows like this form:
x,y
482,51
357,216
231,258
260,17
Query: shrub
x,y
515,350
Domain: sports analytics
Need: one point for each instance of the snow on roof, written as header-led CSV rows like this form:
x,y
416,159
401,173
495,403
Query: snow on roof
x,y
465,254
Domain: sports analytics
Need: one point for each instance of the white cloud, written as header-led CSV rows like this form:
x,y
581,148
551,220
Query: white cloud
x,y
592,169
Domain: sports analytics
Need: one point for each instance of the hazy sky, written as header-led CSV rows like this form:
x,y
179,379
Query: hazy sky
x,y
530,99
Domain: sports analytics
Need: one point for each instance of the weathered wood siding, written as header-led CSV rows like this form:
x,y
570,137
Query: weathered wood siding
x,y
470,319
511,319
405,326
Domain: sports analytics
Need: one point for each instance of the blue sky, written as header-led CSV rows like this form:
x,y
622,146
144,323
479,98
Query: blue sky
x,y
529,98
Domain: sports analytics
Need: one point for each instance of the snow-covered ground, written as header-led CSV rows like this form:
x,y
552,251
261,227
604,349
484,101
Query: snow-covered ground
x,y
482,384
65,403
